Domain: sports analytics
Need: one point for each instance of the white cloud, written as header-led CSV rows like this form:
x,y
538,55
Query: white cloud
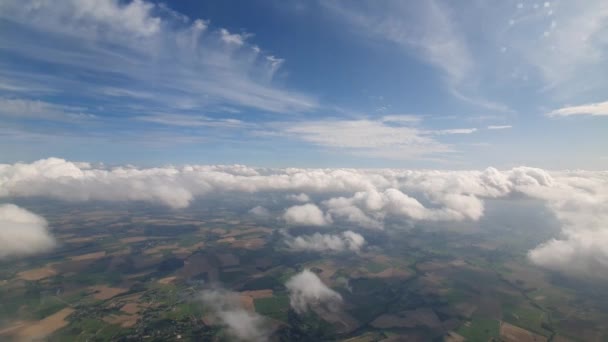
x,y
428,30
558,50
232,38
306,215
481,102
595,109
302,197
499,127
306,290
366,198
573,44
581,253
22,233
404,118
34,109
579,200
242,325
347,241
374,138
425,28
455,131
369,208
347,209
171,62
259,211
191,121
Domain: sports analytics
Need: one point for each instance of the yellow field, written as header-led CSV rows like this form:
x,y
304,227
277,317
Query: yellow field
x,y
41,329
37,273
511,333
89,256
103,292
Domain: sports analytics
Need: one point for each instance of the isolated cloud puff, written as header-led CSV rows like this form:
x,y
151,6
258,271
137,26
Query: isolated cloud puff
x,y
582,253
495,127
22,232
306,215
259,211
306,290
302,197
347,241
241,324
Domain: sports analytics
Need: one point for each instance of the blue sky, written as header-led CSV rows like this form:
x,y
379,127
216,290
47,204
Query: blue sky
x,y
450,85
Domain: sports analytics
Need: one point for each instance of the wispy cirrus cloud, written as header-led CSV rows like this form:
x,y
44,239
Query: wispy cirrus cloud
x,y
190,121
593,109
394,137
496,127
19,108
367,137
454,131
553,47
141,52
426,30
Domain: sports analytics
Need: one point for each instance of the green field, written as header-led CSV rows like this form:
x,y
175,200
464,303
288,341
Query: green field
x,y
480,329
275,307
376,267
527,317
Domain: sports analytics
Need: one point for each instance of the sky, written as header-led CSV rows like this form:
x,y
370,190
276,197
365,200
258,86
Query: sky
x,y
365,84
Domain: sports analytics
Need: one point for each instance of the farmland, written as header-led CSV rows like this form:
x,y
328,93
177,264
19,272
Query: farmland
x,y
137,273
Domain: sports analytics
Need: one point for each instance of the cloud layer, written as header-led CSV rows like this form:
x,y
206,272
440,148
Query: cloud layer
x,y
22,233
364,198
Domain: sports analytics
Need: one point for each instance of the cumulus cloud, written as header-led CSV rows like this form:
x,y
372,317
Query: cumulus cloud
x,y
241,324
369,208
22,232
306,290
259,211
347,241
595,109
579,254
302,197
306,215
579,200
366,198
